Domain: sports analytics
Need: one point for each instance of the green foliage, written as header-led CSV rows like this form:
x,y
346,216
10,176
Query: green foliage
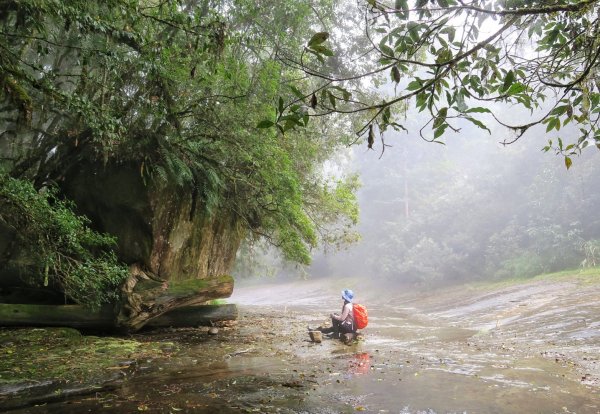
x,y
427,262
185,94
59,247
538,58
591,251
524,266
468,212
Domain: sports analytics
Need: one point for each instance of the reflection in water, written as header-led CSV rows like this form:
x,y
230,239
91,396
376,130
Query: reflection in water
x,y
359,364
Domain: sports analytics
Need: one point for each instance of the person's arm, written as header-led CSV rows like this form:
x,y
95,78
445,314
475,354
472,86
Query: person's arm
x,y
344,314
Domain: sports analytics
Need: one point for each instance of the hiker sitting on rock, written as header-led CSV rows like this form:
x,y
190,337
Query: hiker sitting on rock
x,y
344,323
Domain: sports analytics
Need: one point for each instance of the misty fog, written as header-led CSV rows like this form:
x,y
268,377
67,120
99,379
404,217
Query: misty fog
x,y
469,210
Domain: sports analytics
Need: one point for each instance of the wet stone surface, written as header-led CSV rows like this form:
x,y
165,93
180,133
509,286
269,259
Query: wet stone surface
x,y
529,349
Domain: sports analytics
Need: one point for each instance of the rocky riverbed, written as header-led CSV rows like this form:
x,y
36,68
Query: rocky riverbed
x,y
520,347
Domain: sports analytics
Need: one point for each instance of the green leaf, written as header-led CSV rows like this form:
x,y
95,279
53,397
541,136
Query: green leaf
x,y
559,110
440,131
460,101
516,88
318,55
320,49
265,124
553,123
305,119
401,7
386,115
331,99
509,79
387,50
395,74
289,124
421,101
296,92
317,39
568,162
478,110
440,118
478,123
449,98
414,85
443,55
346,94
292,117
451,32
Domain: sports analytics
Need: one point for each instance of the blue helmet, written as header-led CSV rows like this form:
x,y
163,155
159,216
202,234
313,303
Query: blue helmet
x,y
347,295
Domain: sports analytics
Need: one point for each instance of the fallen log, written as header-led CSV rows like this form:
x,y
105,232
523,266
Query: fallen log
x,y
145,296
73,316
80,317
190,316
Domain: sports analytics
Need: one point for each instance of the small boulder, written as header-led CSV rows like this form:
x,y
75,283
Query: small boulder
x,y
315,336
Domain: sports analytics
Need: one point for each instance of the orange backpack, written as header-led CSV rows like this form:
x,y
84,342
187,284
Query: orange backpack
x,y
361,318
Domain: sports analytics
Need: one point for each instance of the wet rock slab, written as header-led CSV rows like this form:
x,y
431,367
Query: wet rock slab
x,y
412,360
41,365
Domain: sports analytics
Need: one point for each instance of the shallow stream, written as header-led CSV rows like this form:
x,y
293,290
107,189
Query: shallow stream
x,y
531,349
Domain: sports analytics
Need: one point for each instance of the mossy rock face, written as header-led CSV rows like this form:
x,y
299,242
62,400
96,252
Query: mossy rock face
x,y
163,228
116,200
178,254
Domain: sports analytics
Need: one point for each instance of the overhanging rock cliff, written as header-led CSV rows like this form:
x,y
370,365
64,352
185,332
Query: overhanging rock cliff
x,y
179,254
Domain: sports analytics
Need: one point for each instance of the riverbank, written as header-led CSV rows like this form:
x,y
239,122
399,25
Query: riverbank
x,y
502,348
39,365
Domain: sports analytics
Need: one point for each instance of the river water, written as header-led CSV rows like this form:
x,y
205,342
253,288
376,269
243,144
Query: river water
x,y
532,348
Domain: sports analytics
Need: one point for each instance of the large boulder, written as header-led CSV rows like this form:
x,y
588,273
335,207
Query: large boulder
x,y
164,233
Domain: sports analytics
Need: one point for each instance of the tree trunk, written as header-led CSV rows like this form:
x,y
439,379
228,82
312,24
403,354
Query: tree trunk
x,y
145,297
191,316
79,317
74,316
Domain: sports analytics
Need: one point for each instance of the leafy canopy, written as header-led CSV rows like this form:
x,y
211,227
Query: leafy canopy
x,y
455,60
177,90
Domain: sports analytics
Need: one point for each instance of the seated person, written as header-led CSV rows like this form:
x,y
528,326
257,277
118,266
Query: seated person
x,y
342,323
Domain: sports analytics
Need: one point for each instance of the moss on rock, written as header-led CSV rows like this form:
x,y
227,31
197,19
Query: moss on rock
x,y
65,355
